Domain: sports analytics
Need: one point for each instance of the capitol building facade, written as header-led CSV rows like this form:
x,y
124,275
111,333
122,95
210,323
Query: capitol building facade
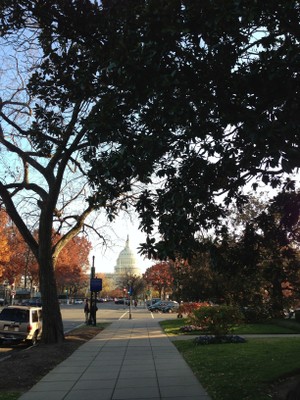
x,y
126,262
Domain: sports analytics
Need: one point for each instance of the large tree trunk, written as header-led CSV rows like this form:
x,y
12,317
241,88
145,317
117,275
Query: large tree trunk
x,y
52,321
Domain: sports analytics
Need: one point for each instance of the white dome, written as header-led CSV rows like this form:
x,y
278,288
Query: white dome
x,y
127,262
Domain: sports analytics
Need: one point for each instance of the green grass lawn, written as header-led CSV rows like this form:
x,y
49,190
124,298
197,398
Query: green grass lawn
x,y
9,396
271,327
242,371
172,327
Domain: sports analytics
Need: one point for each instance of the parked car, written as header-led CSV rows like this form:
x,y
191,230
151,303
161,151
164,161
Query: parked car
x,y
35,302
78,301
20,323
169,308
122,301
162,304
153,301
102,300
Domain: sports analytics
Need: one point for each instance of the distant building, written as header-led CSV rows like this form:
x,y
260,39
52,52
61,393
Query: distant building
x,y
127,262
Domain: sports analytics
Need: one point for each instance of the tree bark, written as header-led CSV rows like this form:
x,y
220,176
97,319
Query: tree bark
x,y
53,331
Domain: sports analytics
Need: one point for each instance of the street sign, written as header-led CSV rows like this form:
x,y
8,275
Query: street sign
x,y
96,285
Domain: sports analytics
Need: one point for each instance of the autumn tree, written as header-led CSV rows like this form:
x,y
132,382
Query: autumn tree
x,y
5,251
108,286
70,270
72,265
16,270
20,266
159,276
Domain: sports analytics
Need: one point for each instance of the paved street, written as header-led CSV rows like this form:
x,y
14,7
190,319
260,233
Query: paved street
x,y
73,315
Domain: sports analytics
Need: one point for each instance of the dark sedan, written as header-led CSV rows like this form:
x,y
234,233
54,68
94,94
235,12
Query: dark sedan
x,y
160,305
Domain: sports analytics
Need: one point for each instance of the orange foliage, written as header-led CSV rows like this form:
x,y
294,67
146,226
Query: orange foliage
x,y
20,254
72,262
4,246
15,256
17,260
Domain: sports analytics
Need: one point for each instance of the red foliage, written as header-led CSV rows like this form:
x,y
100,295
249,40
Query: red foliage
x,y
17,260
188,308
159,276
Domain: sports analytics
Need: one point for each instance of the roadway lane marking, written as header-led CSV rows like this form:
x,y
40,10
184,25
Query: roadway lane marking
x,y
123,315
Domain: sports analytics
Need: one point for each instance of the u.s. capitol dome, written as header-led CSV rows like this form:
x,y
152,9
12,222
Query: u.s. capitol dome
x,y
127,262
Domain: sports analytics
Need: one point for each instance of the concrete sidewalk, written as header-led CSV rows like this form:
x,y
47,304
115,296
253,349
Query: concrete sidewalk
x,y
132,359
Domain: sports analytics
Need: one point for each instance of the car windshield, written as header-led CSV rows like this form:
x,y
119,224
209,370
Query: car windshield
x,y
14,314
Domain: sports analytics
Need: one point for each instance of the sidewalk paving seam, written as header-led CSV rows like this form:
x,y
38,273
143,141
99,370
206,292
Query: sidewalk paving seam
x,y
120,368
152,352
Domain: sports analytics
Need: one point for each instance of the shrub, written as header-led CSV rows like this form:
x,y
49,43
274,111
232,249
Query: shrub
x,y
188,308
217,320
208,339
190,328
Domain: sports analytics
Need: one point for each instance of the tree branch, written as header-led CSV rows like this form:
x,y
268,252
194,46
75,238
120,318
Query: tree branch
x,y
18,221
72,232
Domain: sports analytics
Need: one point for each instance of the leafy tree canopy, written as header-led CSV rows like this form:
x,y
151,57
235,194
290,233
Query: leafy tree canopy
x,y
192,100
202,97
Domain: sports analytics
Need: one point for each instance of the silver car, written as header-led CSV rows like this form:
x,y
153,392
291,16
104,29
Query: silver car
x,y
20,323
